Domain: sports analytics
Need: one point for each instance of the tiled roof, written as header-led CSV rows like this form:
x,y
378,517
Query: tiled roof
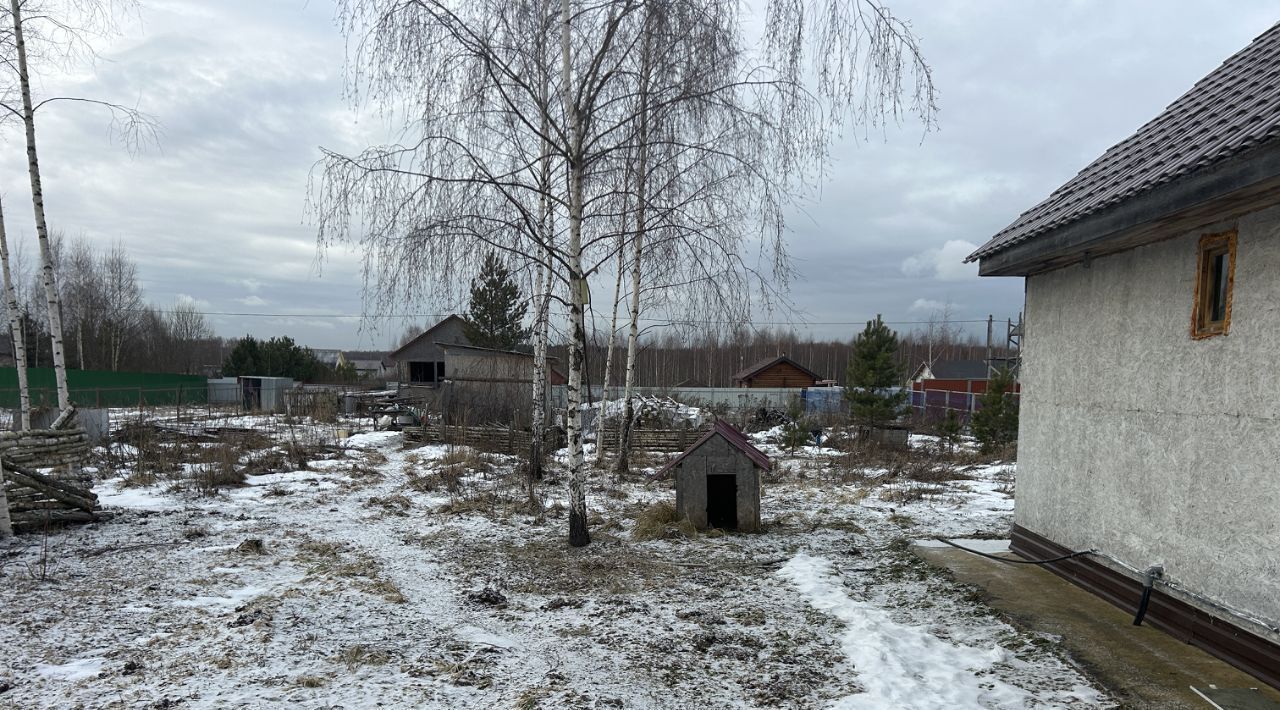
x,y
960,370
1233,109
736,439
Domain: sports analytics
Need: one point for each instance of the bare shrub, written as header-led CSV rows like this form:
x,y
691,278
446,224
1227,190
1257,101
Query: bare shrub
x,y
221,471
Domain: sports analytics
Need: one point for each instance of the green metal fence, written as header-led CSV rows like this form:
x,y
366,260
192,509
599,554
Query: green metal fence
x,y
95,388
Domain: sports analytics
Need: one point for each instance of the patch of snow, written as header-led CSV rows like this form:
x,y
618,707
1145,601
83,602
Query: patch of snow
x,y
233,597
901,666
78,669
372,439
112,494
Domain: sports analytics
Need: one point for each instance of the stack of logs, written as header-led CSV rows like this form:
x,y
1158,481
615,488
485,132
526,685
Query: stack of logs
x,y
36,499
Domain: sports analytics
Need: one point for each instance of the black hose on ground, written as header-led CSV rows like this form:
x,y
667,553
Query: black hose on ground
x,y
1014,561
1142,605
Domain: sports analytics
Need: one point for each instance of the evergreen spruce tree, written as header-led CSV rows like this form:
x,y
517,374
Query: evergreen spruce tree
x,y
995,424
244,359
496,315
873,371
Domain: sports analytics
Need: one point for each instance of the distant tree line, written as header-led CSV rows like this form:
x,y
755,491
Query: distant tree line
x,y
712,359
107,322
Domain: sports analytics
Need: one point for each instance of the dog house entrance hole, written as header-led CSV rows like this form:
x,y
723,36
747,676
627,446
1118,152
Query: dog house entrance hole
x,y
722,501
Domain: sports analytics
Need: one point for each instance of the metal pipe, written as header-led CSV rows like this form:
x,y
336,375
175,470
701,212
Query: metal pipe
x,y
1153,573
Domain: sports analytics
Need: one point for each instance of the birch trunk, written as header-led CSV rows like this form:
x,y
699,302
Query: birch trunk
x,y
608,358
542,296
37,201
6,527
622,464
19,338
536,454
578,535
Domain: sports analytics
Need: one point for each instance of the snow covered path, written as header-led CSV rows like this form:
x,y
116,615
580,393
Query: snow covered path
x,y
901,666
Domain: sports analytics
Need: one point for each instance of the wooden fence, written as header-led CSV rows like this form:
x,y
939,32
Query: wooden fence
x,y
656,439
494,439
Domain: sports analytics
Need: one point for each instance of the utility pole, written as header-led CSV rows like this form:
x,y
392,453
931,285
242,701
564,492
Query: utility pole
x,y
991,368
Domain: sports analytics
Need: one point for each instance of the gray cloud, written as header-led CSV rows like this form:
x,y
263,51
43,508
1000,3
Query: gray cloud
x,y
247,91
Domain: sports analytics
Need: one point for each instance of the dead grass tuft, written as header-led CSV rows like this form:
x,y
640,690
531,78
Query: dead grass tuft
x,y
394,505
309,681
362,655
660,520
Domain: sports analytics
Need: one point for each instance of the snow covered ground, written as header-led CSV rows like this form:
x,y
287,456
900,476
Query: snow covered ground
x,y
391,577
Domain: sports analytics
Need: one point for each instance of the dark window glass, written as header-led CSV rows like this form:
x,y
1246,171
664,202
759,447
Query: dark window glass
x,y
1218,307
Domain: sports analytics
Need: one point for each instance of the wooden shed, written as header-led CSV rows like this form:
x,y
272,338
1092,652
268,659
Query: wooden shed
x,y
780,371
718,480
421,361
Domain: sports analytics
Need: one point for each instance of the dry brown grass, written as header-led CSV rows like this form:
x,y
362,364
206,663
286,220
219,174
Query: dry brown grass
x,y
393,505
362,655
660,520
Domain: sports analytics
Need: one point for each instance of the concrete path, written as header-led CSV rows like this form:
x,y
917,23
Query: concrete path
x,y
1142,667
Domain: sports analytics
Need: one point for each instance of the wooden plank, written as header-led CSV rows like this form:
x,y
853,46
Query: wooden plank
x,y
51,487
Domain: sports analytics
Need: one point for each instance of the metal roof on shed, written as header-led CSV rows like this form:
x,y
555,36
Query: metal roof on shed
x,y
736,439
1232,110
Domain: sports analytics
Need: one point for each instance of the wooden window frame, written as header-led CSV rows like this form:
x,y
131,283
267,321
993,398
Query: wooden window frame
x,y
1210,246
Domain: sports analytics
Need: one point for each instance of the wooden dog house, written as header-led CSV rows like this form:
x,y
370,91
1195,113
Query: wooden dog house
x,y
718,480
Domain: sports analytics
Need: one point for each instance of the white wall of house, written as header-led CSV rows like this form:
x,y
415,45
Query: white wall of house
x,y
1146,444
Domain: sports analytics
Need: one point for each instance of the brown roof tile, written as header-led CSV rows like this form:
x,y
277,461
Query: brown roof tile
x,y
1233,109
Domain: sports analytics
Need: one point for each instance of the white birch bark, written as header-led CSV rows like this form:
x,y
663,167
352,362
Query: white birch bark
x,y
578,535
622,463
536,454
6,527
16,329
542,294
37,201
608,358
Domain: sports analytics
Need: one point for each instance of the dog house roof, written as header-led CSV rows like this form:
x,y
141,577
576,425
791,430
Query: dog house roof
x,y
730,433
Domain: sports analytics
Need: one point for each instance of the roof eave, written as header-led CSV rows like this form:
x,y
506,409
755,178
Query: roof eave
x,y
1178,206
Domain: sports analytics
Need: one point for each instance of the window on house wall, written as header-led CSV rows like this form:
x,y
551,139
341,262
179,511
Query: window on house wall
x,y
1215,276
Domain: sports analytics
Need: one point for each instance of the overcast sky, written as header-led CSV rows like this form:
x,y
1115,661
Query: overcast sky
x,y
247,90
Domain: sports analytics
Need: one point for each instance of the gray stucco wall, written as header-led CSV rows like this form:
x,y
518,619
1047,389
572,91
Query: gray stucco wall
x,y
1146,444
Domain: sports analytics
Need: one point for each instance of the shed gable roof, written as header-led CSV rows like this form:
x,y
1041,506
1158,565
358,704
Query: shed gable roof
x,y
761,365
395,354
1232,110
732,436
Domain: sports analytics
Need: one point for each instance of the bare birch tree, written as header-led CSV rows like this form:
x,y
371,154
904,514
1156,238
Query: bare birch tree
x,y
16,330
68,23
721,135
